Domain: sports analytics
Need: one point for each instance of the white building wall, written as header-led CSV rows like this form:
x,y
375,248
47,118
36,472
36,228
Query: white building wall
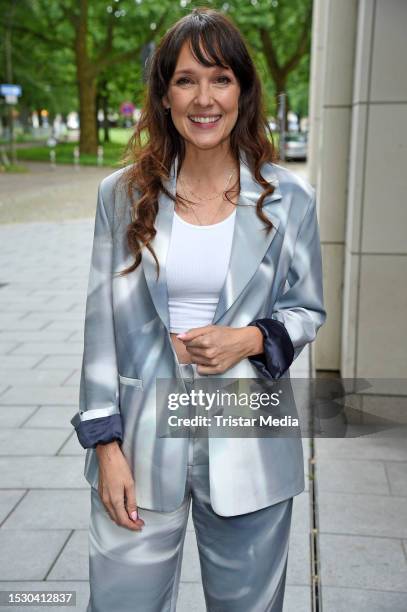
x,y
374,333
362,185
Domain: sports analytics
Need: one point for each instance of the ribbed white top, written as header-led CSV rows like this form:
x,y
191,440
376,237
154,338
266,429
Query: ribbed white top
x,y
197,263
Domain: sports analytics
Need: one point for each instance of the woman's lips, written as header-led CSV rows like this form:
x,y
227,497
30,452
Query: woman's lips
x,y
205,126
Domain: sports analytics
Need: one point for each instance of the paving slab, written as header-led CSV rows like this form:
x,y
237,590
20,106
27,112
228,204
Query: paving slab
x,y
48,348
372,447
29,555
72,447
14,362
363,563
26,441
57,362
362,476
50,509
43,335
297,599
25,377
42,473
374,515
190,569
14,416
7,346
358,600
8,501
69,325
191,597
397,476
50,395
53,417
73,379
73,562
299,560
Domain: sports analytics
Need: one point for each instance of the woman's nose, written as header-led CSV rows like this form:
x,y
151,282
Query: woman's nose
x,y
204,97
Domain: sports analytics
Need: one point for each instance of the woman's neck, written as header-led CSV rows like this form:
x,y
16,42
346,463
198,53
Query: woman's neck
x,y
208,167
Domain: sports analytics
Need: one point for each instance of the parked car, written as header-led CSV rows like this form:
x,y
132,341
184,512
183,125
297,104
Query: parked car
x,y
296,146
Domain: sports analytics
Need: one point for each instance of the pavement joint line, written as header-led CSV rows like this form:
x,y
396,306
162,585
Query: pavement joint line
x,y
68,580
63,383
15,506
316,593
64,443
369,459
360,535
404,547
36,409
59,554
40,361
45,488
387,478
5,390
353,494
18,345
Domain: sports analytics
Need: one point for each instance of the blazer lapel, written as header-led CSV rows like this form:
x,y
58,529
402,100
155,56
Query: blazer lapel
x,y
249,245
250,240
160,244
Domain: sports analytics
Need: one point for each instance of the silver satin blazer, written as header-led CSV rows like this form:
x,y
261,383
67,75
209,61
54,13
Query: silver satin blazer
x,y
275,276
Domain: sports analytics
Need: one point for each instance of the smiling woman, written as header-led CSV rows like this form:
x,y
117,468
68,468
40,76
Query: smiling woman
x,y
215,273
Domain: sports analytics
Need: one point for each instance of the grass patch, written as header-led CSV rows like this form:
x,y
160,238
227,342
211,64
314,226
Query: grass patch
x,y
64,154
13,168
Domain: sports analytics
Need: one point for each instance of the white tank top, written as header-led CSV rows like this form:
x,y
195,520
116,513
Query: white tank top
x,y
197,263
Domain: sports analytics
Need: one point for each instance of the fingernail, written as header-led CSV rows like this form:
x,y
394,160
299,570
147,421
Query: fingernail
x,y
134,515
181,336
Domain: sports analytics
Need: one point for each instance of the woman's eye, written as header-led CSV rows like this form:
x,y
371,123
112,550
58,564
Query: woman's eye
x,y
225,79
222,79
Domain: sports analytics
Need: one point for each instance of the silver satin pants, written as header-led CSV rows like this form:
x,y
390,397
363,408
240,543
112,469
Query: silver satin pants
x,y
243,558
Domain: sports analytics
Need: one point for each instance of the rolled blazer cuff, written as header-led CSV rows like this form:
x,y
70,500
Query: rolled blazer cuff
x,y
278,351
100,430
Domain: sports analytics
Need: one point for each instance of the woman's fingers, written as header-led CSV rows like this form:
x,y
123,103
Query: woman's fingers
x,y
131,504
116,509
123,518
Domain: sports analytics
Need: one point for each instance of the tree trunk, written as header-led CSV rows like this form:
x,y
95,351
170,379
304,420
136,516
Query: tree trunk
x,y
106,133
88,142
86,79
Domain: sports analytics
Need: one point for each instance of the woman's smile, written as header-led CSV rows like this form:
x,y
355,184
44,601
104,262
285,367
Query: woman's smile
x,y
204,122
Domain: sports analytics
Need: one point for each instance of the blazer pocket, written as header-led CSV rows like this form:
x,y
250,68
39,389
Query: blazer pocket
x,y
132,382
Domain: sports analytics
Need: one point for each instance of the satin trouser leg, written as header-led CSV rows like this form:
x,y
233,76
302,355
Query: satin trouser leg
x,y
243,558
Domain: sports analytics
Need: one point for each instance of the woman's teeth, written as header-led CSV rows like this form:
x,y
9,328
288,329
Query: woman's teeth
x,y
205,119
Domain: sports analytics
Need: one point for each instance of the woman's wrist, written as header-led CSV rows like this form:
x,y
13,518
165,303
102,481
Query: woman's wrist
x,y
253,341
105,450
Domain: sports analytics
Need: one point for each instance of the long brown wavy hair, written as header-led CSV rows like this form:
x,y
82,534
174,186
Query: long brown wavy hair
x,y
156,142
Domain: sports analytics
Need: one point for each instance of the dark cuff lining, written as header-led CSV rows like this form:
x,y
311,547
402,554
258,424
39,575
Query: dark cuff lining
x,y
100,431
278,352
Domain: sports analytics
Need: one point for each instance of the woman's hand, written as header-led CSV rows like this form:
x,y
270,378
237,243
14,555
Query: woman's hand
x,y
116,486
216,348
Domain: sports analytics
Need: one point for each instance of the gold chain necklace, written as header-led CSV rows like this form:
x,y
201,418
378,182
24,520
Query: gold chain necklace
x,y
196,216
212,198
205,197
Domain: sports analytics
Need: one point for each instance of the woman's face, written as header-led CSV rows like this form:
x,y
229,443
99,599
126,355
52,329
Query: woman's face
x,y
203,101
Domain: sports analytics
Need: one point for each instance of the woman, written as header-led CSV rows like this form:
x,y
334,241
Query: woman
x,y
206,263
